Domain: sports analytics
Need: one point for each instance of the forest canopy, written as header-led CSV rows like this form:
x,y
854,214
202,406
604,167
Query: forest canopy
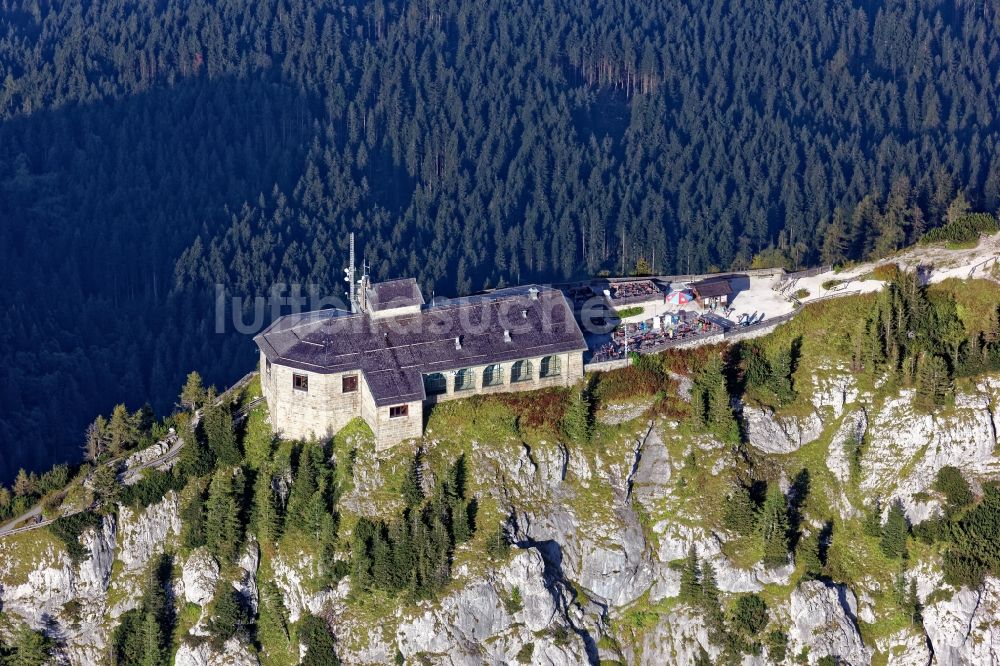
x,y
150,150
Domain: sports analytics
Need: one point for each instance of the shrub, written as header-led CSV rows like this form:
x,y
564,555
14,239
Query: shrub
x,y
886,273
631,311
627,382
68,530
749,614
963,229
525,654
950,483
777,646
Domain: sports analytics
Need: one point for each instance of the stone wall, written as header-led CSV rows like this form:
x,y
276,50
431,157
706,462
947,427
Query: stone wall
x,y
324,408
320,411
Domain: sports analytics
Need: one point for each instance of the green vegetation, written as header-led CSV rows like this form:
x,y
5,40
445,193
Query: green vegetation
x,y
858,147
964,228
69,528
412,552
631,311
143,637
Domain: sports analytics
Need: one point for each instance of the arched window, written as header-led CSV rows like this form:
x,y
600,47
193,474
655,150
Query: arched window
x,y
465,380
493,375
551,366
435,383
520,371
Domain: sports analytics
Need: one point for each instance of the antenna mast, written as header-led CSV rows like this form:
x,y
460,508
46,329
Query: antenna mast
x,y
352,289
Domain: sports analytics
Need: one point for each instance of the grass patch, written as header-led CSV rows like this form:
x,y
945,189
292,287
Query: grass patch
x,y
631,311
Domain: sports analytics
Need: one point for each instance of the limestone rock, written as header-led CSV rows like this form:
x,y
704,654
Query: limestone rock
x,y
963,629
824,618
200,575
905,648
144,533
480,623
779,434
233,653
907,448
246,584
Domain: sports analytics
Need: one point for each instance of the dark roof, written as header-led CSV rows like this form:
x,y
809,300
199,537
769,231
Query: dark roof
x,y
399,293
394,351
711,288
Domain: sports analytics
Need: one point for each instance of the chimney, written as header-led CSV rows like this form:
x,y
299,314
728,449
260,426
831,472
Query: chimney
x,y
506,335
533,294
458,342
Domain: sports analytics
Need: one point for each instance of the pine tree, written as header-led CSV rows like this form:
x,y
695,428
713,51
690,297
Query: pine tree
x,y
808,556
690,577
96,440
217,423
151,641
774,527
412,493
933,381
193,394
222,517
577,421
894,532
266,518
739,512
121,430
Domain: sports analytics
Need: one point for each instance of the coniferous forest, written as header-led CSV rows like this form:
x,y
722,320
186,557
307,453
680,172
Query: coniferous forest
x,y
151,150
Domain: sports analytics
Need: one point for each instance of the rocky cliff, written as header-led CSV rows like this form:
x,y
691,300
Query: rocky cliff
x,y
601,532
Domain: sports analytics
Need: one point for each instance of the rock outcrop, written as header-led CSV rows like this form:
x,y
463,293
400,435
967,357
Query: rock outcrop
x,y
823,618
770,433
495,617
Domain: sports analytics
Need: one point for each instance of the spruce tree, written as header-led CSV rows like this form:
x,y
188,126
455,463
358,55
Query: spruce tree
x,y
774,527
223,531
217,424
193,394
266,519
690,577
739,512
894,532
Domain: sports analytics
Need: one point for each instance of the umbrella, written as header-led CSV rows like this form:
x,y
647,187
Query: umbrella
x,y
679,297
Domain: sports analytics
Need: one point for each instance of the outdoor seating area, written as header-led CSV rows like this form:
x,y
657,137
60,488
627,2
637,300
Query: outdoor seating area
x,y
634,290
656,333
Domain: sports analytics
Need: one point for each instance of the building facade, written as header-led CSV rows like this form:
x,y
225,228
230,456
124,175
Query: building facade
x,y
398,355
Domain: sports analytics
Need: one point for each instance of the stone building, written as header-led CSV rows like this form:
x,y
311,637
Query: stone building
x,y
396,354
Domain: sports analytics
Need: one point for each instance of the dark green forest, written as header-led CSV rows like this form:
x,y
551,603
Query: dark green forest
x,y
150,150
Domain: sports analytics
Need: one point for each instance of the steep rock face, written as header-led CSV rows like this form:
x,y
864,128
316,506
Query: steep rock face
x,y
679,638
834,390
199,576
40,599
144,533
770,433
905,648
291,577
481,623
675,541
246,583
608,557
233,653
824,618
907,448
963,629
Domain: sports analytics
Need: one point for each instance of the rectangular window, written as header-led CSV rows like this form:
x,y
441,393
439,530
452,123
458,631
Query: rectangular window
x,y
267,365
399,411
350,384
300,382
